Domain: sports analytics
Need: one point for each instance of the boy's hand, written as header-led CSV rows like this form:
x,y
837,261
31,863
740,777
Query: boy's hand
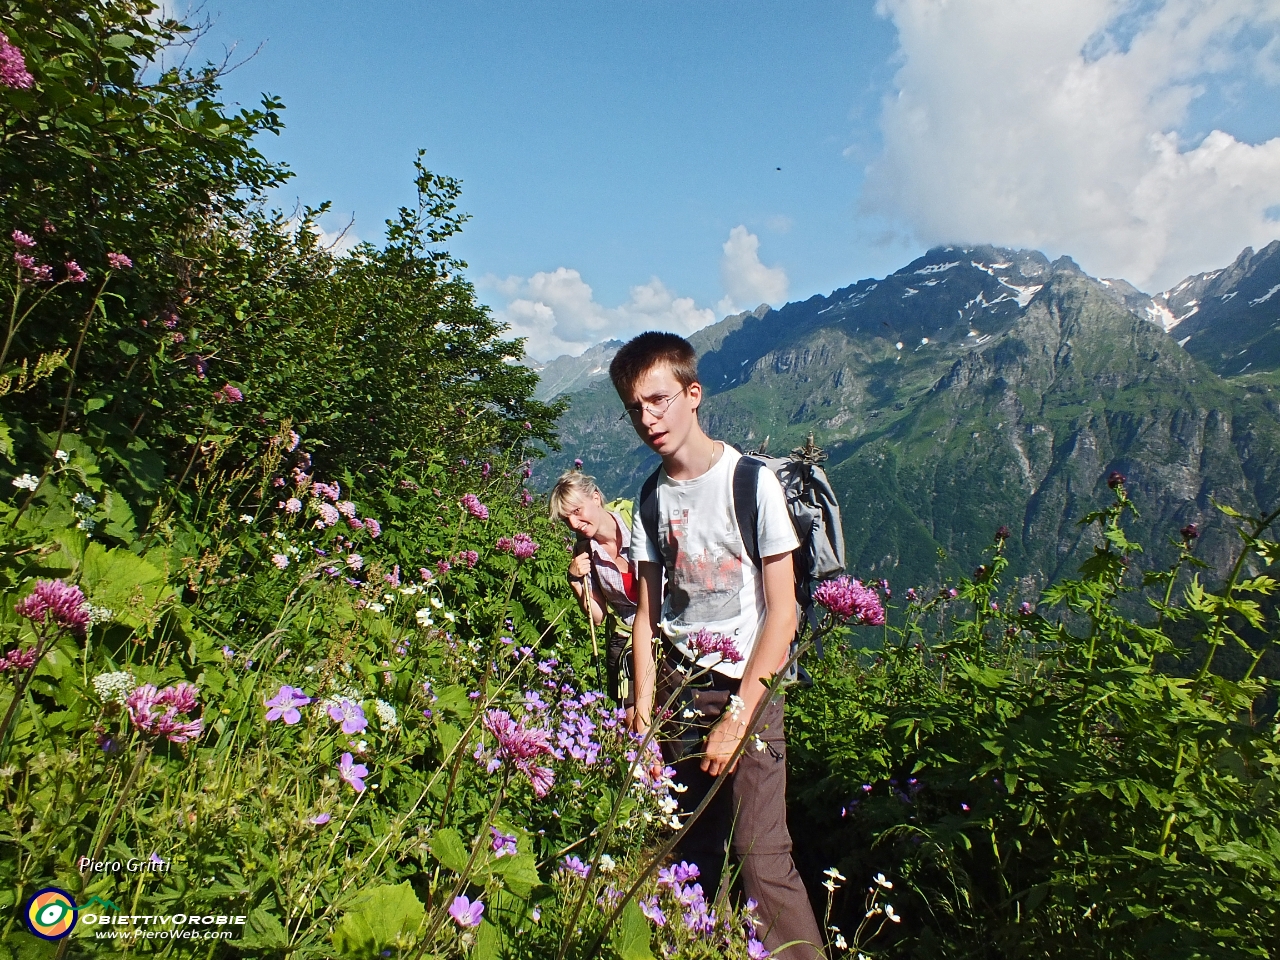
x,y
722,741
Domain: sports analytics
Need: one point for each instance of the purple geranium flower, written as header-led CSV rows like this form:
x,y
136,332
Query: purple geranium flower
x,y
654,912
284,705
465,913
504,844
350,714
353,773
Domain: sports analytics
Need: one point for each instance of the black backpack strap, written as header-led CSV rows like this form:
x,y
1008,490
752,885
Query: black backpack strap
x,y
648,508
746,506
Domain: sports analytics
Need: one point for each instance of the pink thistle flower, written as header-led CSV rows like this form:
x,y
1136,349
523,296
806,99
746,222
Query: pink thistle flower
x,y
24,260
160,712
284,705
181,696
372,527
74,273
704,643
328,516
63,603
178,337
293,505
348,713
280,561
13,67
848,599
294,440
43,272
23,241
19,660
471,503
118,261
228,394
465,913
521,546
526,497
355,561
442,567
346,508
522,748
469,557
353,773
330,491
355,523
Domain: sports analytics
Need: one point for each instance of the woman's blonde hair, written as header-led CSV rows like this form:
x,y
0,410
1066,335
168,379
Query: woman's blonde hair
x,y
572,489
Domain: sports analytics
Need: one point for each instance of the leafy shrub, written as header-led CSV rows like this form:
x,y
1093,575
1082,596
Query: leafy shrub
x,y
1038,784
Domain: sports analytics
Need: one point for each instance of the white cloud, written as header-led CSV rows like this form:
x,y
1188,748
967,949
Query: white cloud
x,y
557,312
1034,123
338,242
747,281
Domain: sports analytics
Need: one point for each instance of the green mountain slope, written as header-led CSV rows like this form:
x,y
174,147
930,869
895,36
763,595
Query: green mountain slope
x,y
973,388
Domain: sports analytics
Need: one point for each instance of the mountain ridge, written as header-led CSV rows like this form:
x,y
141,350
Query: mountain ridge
x,y
982,386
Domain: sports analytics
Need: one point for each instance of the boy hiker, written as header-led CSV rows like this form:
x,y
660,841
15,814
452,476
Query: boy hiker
x,y
713,584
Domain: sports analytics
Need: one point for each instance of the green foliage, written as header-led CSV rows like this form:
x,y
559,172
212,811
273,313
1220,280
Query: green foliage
x,y
1034,780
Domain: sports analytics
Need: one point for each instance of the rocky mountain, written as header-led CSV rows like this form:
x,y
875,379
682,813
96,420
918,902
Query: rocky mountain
x,y
980,386
567,374
1229,318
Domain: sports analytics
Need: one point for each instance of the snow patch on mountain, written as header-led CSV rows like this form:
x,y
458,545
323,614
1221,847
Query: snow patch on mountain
x,y
1266,296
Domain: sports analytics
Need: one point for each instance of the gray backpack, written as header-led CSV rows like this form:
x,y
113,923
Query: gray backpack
x,y
815,514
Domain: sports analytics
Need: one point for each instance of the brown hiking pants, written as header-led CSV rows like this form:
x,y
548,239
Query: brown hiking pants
x,y
746,821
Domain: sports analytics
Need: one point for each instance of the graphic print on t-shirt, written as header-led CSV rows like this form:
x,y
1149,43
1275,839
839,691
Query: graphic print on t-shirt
x,y
707,584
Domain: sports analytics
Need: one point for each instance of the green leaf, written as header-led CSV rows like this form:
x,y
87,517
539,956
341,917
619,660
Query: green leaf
x,y
632,937
448,848
488,942
519,873
264,930
377,919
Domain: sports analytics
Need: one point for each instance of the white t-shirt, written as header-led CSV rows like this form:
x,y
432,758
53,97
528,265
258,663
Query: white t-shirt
x,y
715,584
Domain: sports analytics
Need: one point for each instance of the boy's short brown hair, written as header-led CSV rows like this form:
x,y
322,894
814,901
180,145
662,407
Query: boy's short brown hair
x,y
641,354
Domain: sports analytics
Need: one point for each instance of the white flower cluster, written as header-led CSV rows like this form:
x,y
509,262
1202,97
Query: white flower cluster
x,y
386,714
114,687
98,615
28,481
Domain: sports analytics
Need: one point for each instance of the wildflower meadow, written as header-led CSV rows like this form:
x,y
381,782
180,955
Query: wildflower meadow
x,y
289,666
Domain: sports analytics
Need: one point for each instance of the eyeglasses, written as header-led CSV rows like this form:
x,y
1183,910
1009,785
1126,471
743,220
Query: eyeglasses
x,y
657,409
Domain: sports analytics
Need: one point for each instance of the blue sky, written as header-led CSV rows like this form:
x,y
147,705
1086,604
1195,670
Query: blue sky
x,y
620,159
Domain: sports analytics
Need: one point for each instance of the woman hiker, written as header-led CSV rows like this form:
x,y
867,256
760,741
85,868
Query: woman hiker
x,y
601,574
